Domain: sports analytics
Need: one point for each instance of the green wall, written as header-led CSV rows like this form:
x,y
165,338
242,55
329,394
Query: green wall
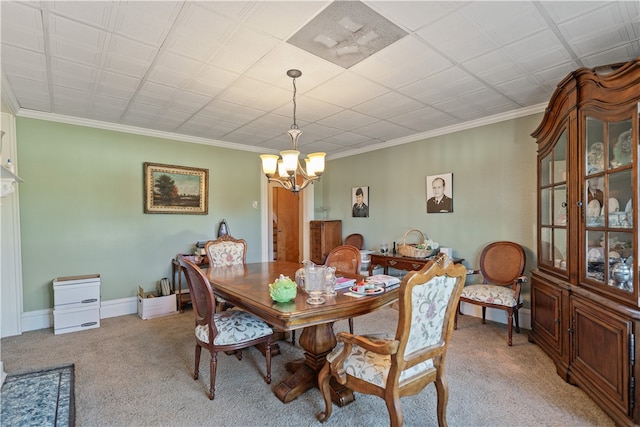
x,y
81,207
81,203
494,189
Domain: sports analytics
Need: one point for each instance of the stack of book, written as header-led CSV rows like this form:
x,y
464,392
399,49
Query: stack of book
x,y
344,282
384,280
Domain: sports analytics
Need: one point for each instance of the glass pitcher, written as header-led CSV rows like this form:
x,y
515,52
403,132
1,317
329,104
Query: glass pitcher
x,y
314,282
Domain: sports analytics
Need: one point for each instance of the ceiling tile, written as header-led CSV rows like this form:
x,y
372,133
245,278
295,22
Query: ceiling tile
x,y
347,90
217,69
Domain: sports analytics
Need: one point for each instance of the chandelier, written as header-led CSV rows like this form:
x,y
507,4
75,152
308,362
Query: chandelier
x,y
290,173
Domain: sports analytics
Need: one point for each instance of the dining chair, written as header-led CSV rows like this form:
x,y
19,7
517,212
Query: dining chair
x,y
354,239
345,259
501,266
391,367
228,331
226,251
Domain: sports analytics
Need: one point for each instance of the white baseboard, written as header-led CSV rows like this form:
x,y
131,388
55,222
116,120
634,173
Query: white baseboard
x,y
494,315
43,319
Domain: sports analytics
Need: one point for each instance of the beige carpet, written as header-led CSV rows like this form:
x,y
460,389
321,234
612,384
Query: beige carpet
x,y
132,372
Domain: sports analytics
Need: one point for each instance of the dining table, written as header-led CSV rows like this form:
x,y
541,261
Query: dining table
x,y
247,287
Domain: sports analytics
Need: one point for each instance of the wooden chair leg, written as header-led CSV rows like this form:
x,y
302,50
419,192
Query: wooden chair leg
x,y
323,383
267,354
442,389
196,370
455,318
212,367
394,407
484,315
515,318
351,325
509,326
293,337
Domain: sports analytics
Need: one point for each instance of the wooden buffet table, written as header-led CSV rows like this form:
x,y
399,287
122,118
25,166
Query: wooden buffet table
x,y
399,262
246,286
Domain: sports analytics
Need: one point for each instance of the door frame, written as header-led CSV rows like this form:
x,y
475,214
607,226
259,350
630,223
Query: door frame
x,y
306,215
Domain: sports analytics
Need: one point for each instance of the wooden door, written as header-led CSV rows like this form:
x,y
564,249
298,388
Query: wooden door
x,y
286,225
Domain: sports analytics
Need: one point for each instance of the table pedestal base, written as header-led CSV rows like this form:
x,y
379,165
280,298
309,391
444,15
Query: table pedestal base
x,y
318,341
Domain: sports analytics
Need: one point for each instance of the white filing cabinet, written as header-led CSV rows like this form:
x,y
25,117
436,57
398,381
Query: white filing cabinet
x,y
76,302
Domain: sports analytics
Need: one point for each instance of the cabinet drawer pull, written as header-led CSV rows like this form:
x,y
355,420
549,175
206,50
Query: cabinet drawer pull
x,y
84,325
392,262
416,266
88,301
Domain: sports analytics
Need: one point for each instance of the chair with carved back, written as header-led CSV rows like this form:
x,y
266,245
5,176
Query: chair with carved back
x,y
225,251
345,259
404,364
354,239
228,331
501,266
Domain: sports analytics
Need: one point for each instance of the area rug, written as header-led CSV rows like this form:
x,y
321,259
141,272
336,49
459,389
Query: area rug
x,y
41,398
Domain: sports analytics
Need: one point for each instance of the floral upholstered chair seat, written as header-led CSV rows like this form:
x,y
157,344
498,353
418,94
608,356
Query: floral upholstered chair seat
x,y
374,367
500,295
234,327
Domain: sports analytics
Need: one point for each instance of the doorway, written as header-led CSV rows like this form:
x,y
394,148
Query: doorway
x,y
285,225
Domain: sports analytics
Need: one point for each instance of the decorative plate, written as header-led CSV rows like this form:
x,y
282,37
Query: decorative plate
x,y
368,290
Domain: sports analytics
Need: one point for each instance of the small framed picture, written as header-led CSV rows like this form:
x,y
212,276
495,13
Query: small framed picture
x,y
173,189
440,193
360,202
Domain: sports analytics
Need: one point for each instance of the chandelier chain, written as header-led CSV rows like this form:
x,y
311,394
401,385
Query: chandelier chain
x,y
294,125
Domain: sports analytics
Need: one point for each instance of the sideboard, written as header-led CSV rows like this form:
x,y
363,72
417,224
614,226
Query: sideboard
x,y
399,262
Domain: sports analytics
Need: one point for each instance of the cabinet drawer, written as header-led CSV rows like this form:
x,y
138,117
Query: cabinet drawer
x,y
71,320
77,295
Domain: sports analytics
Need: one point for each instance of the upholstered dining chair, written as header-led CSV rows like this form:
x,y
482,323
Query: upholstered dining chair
x,y
501,265
392,367
228,331
354,239
226,251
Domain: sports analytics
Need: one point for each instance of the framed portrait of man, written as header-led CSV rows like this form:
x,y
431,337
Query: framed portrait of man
x,y
440,193
360,202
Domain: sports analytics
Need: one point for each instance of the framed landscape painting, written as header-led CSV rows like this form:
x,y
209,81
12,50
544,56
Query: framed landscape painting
x,y
171,189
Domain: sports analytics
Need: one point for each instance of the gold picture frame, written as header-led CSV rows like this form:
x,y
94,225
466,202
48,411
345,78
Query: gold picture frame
x,y
171,189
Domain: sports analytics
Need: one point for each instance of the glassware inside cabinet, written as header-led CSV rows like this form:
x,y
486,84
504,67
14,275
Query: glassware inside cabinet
x,y
595,251
620,144
619,205
595,154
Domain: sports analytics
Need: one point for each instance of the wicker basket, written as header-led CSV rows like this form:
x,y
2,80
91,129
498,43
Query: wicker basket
x,y
411,249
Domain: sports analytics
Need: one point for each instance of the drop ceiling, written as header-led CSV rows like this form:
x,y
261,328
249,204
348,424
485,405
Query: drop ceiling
x,y
214,72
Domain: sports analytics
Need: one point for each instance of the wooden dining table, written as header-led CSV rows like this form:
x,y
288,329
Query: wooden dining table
x,y
247,287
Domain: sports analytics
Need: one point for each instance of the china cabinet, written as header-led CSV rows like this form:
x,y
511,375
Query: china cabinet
x,y
584,293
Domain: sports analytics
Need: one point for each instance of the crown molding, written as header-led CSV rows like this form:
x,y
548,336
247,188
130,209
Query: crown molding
x,y
59,118
223,144
445,130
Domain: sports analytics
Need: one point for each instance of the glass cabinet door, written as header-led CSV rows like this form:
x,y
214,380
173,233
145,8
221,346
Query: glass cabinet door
x,y
609,192
553,206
